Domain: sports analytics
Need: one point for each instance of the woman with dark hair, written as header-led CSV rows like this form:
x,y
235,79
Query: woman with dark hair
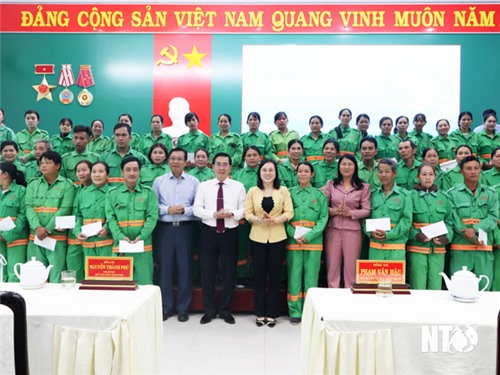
x,y
426,256
453,176
347,137
13,242
63,142
401,133
487,140
158,158
287,169
348,202
98,142
422,139
226,141
430,155
281,137
193,140
363,123
443,143
385,144
201,170
327,168
156,135
303,257
314,141
10,152
254,137
268,206
464,135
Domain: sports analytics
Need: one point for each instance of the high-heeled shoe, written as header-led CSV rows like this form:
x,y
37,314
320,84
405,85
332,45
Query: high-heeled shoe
x,y
271,322
260,321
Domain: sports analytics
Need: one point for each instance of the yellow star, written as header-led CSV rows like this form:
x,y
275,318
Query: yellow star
x,y
194,57
44,90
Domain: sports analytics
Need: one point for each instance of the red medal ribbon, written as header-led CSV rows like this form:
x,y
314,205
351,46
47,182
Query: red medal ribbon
x,y
66,77
44,68
85,78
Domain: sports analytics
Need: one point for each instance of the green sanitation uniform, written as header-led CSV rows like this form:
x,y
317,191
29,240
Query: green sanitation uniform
x,y
397,206
149,140
313,148
202,174
62,145
134,143
369,176
310,208
349,142
445,147
260,140
74,254
426,259
44,203
7,134
89,208
70,160
397,139
191,142
452,178
407,177
16,239
491,178
26,141
386,148
478,211
99,145
31,170
151,171
422,141
323,172
279,143
287,174
113,159
486,144
230,144
134,214
461,139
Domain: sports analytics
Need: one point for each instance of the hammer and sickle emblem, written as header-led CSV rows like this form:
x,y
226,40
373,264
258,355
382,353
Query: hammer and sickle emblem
x,y
172,57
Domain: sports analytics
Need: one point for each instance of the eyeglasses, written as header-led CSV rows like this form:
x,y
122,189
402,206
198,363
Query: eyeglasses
x,y
222,165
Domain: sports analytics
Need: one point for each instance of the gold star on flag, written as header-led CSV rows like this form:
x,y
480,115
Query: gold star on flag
x,y
194,57
44,90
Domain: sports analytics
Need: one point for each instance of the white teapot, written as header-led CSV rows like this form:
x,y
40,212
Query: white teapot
x,y
32,274
464,284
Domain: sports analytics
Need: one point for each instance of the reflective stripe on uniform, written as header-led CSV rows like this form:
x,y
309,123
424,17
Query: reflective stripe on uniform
x,y
388,246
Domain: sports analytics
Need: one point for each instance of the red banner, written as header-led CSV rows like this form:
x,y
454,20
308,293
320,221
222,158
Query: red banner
x,y
262,18
182,80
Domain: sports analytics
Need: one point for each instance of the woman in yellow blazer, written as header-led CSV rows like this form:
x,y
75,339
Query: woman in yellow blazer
x,y
268,207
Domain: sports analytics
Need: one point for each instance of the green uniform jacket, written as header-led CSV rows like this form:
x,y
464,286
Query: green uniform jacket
x,y
99,145
31,170
370,177
452,178
247,176
479,211
260,140
230,144
150,171
191,142
113,159
397,139
310,207
313,148
445,147
134,143
422,141
44,202
202,174
71,159
132,214
407,177
62,145
429,208
386,148
486,144
12,203
323,172
287,174
397,206
279,143
148,140
461,139
26,141
491,177
349,142
7,134
89,208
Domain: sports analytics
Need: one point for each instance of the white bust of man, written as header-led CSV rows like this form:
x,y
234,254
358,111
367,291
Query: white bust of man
x,y
177,110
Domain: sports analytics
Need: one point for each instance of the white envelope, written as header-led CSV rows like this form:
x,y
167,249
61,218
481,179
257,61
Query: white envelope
x,y
383,223
482,236
446,166
435,230
190,157
127,247
65,222
48,243
300,231
91,229
7,224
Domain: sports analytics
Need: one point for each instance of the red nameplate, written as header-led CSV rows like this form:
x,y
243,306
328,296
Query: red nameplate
x,y
371,271
109,268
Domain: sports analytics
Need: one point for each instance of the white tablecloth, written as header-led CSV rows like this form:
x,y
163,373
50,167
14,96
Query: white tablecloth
x,y
72,331
345,333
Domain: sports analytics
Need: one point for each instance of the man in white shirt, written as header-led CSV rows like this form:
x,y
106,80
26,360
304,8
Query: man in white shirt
x,y
219,203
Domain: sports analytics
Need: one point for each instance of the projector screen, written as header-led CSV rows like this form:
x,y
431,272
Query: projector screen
x,y
379,80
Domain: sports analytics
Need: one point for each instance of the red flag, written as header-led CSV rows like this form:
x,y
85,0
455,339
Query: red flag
x,y
183,69
44,68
